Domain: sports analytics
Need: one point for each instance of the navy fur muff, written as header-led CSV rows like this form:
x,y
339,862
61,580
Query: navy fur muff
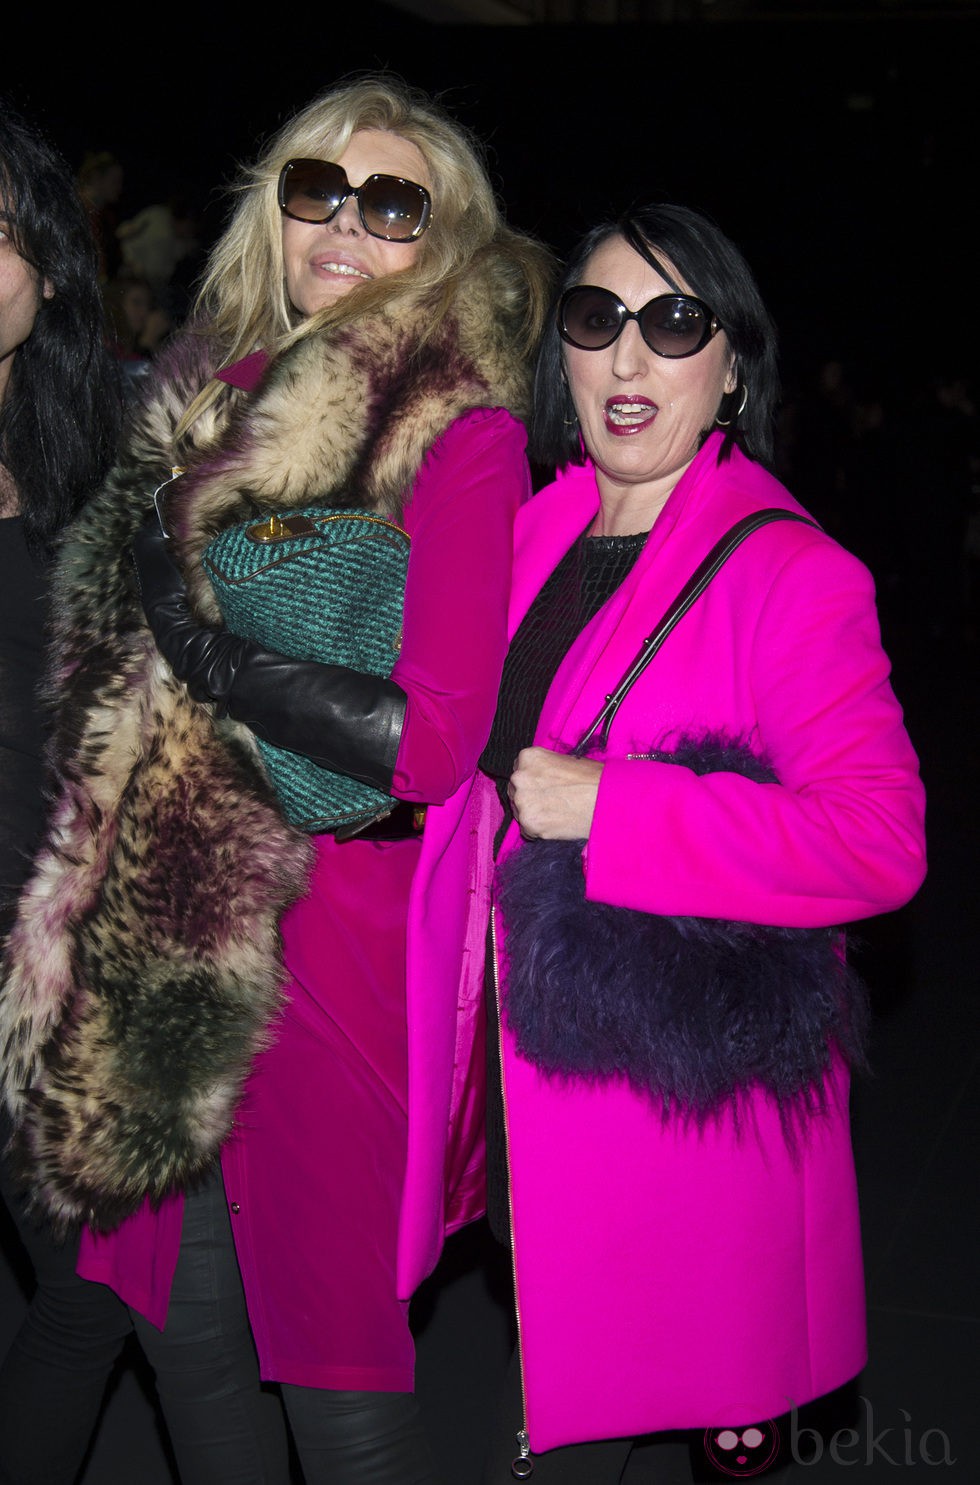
x,y
692,1011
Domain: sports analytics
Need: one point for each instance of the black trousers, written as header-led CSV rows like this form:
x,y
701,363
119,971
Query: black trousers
x,y
54,1375
599,1463
225,1425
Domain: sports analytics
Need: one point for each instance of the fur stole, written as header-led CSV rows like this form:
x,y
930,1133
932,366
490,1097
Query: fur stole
x,y
144,969
692,1011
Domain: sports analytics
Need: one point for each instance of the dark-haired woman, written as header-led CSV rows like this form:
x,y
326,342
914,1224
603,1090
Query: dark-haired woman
x,y
59,415
674,1141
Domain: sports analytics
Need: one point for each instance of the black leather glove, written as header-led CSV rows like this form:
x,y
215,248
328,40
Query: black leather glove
x,y
342,719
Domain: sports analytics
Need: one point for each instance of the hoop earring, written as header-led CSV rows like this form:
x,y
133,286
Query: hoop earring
x,y
727,422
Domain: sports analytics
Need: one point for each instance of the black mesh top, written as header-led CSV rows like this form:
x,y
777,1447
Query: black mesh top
x,y
588,575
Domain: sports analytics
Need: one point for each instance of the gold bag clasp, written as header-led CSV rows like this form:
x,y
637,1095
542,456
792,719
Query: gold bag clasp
x,y
277,529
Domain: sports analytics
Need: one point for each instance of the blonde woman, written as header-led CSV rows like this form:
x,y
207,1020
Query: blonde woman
x,y
361,340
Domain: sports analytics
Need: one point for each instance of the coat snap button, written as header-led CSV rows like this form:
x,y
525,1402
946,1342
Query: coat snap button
x,y
235,1207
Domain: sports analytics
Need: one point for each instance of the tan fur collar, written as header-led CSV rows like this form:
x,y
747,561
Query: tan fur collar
x,y
348,419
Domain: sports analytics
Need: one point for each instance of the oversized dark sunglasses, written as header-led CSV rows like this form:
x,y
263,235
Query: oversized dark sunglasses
x,y
673,325
393,209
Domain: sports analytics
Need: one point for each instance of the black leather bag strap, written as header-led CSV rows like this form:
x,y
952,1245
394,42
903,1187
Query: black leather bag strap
x,y
597,733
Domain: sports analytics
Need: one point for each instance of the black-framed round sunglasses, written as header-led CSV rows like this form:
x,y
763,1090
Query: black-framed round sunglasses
x,y
673,325
393,209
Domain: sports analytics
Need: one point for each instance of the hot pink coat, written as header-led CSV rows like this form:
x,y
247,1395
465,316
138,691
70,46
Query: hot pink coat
x,y
668,1278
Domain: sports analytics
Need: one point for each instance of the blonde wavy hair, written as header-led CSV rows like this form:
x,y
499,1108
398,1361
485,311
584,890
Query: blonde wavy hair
x,y
242,303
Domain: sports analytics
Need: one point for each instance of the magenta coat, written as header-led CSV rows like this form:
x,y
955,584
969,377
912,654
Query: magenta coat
x,y
670,1278
460,518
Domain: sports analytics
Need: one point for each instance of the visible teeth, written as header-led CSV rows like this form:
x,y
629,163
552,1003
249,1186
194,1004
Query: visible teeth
x,y
624,413
344,268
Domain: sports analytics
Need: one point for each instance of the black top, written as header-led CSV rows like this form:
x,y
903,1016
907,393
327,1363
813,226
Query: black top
x,y
585,578
23,591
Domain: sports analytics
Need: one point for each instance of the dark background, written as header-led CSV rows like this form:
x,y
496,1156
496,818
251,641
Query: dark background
x,y
839,154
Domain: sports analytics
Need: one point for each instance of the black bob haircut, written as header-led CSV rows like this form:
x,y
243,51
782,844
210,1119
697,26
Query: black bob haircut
x,y
59,420
712,267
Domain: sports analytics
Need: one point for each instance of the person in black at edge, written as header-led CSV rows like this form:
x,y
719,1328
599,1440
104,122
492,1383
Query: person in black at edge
x,y
59,418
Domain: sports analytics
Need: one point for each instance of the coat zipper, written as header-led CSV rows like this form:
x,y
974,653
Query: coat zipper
x,y
522,1466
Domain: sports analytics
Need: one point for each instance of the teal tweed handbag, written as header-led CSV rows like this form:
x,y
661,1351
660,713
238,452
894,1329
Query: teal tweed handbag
x,y
316,584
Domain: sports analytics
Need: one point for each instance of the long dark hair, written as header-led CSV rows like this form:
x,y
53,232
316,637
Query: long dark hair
x,y
715,270
59,420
